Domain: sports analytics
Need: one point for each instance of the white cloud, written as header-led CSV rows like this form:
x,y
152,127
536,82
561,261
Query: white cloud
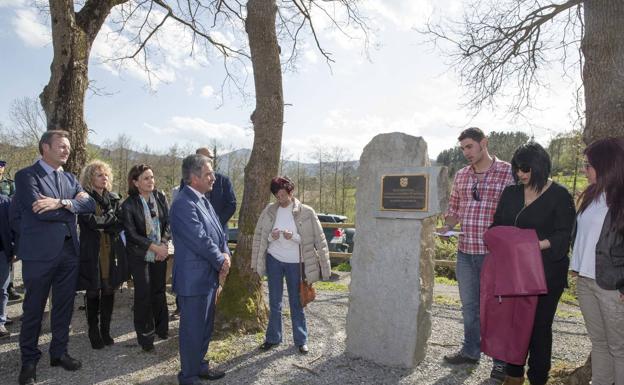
x,y
198,130
11,3
403,14
207,91
30,29
169,50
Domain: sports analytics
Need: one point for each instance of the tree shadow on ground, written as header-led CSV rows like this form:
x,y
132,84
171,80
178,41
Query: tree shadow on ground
x,y
122,359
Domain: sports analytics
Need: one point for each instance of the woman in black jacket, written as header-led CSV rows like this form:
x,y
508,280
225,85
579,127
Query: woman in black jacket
x,y
146,224
103,265
538,203
598,259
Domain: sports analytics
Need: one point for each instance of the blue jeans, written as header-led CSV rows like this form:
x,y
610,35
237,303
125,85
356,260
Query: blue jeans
x,y
5,279
468,274
276,271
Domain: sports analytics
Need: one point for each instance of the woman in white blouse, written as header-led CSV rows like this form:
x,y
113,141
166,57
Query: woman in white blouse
x,y
287,234
598,259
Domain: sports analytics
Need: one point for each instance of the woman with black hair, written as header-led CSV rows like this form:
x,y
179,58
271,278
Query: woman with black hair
x,y
146,224
598,259
538,203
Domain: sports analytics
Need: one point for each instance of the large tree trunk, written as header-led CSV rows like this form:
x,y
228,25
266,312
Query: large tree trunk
x,y
242,306
603,72
603,82
63,97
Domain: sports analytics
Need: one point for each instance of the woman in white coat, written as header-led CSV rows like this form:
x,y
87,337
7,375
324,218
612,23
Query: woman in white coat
x,y
287,234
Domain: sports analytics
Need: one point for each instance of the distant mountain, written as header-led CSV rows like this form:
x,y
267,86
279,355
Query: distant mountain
x,y
237,157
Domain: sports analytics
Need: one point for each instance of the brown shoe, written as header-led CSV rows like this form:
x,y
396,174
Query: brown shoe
x,y
513,380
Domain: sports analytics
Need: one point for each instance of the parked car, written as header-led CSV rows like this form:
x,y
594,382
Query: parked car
x,y
338,239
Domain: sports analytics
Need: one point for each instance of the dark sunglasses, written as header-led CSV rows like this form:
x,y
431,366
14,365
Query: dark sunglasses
x,y
475,192
524,168
150,205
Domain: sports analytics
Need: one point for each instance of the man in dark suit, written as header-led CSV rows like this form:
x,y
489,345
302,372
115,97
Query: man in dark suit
x,y
201,262
48,200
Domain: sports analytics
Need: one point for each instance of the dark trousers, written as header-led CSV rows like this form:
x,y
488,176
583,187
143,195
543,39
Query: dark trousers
x,y
60,274
540,346
196,323
150,301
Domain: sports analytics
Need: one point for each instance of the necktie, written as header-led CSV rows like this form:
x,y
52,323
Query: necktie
x,y
57,181
206,203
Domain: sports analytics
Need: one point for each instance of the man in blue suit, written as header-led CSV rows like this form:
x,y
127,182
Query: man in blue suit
x,y
201,262
221,197
48,200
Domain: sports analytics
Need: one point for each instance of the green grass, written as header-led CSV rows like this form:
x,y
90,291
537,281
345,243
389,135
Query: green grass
x,y
445,281
568,314
344,266
568,181
445,300
331,286
569,298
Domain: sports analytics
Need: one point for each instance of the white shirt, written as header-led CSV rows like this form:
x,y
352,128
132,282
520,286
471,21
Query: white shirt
x,y
588,228
282,249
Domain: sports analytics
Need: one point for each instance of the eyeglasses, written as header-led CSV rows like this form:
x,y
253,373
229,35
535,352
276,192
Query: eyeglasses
x,y
475,192
586,165
524,168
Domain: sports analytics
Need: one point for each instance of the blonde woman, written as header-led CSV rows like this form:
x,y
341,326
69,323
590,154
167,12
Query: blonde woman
x,y
103,266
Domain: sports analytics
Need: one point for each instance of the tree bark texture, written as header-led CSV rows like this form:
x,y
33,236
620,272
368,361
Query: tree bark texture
x,y
603,82
603,71
62,98
242,306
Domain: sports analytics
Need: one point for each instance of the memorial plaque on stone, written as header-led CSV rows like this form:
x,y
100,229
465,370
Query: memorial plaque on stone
x,y
404,192
398,196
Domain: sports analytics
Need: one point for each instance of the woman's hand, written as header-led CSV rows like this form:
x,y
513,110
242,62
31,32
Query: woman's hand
x,y
287,234
161,251
275,233
544,244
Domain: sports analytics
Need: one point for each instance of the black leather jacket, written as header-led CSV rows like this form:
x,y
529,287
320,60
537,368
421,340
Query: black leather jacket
x,y
137,241
610,257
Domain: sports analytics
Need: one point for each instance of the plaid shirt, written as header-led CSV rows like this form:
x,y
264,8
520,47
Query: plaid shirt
x,y
474,216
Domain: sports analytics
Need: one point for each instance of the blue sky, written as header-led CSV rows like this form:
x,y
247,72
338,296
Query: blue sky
x,y
402,85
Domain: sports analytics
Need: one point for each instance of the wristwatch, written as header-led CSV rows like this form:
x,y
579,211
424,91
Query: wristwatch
x,y
65,203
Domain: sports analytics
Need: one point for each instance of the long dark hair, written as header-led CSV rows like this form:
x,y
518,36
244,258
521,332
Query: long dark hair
x,y
133,175
606,156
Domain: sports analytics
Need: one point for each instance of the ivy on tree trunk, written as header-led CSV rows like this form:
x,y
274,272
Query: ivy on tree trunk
x,y
242,305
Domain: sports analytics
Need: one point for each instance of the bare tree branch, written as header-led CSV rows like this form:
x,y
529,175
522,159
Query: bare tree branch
x,y
503,44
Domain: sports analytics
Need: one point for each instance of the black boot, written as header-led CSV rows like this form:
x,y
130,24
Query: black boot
x,y
93,308
106,313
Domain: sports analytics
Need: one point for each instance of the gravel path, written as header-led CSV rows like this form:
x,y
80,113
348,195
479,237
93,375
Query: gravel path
x,y
327,363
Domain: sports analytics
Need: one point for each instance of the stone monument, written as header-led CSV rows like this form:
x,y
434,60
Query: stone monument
x,y
398,195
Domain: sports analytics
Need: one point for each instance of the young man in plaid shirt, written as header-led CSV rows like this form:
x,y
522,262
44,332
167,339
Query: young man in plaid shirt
x,y
474,197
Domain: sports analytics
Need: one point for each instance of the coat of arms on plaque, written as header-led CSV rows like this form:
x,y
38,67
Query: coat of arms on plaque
x,y
403,182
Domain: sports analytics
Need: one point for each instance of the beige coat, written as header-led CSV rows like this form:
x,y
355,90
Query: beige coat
x,y
313,245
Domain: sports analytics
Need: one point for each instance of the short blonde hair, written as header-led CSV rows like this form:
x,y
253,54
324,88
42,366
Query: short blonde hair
x,y
88,173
